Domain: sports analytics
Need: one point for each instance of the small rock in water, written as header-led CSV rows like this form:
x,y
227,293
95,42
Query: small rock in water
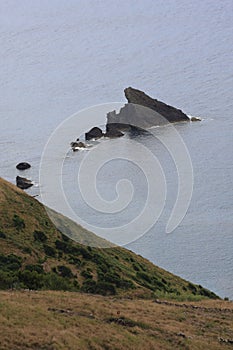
x,y
77,144
195,119
23,166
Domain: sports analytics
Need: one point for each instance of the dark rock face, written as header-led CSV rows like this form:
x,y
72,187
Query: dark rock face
x,y
172,114
94,133
133,116
23,166
112,125
143,112
23,183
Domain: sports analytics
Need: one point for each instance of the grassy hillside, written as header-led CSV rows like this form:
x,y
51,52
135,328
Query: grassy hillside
x,y
35,255
75,321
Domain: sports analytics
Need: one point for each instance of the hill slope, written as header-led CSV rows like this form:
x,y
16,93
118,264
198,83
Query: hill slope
x,y
35,255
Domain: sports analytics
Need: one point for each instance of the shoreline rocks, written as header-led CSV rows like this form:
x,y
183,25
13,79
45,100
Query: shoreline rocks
x,y
23,183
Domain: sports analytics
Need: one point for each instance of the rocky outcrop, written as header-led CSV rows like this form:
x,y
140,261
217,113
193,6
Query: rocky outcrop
x,y
94,133
23,166
142,111
172,114
23,183
133,116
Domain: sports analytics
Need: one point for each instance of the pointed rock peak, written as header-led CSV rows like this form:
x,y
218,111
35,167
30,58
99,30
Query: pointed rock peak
x,y
138,97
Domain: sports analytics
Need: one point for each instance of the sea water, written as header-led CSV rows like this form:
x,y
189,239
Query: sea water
x,y
59,57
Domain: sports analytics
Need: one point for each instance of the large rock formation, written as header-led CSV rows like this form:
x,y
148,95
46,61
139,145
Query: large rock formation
x,y
142,111
172,114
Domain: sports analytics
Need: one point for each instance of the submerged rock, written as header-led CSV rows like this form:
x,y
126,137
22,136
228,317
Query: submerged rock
x,y
23,166
112,133
94,133
142,111
195,119
23,183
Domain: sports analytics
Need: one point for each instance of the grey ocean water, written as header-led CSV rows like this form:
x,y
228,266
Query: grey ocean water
x,y
58,57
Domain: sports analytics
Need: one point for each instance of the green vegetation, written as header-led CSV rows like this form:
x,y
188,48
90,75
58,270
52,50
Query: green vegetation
x,y
2,235
34,254
18,222
40,236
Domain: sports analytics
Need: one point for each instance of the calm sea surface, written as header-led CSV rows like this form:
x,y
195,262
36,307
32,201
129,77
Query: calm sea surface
x,y
59,57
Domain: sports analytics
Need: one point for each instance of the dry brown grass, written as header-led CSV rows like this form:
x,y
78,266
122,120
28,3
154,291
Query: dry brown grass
x,y
63,320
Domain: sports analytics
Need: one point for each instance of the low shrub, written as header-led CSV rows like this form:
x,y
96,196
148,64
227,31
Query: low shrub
x,y
2,235
8,280
50,251
65,238
89,286
74,261
31,279
86,274
103,288
65,271
39,236
18,222
27,250
192,288
144,276
10,262
53,281
37,268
